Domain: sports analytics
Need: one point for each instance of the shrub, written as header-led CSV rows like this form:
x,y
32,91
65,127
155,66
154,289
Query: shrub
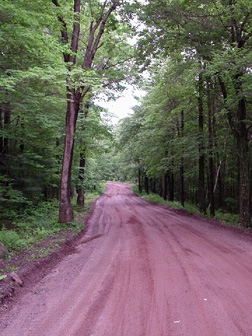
x,y
12,240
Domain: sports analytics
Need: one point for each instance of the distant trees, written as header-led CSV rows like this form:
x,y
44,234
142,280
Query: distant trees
x,y
201,58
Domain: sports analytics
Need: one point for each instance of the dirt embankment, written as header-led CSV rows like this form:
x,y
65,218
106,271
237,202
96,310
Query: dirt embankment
x,y
139,270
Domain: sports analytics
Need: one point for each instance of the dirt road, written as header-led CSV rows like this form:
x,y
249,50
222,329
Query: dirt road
x,y
142,270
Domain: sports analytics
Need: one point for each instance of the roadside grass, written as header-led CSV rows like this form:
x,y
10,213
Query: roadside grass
x,y
225,217
228,218
31,231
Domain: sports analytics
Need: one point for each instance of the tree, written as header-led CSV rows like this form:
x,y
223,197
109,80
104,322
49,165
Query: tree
x,y
95,139
30,105
238,20
98,18
218,35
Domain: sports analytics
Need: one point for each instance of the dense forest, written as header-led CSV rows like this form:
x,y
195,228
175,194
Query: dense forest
x,y
189,138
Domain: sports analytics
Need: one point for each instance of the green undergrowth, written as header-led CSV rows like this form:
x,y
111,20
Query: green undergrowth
x,y
38,223
226,218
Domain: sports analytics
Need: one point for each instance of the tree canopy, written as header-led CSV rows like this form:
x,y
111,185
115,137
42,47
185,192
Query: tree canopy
x,y
188,140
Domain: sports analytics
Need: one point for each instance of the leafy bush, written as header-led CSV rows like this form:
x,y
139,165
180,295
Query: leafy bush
x,y
39,222
228,218
12,240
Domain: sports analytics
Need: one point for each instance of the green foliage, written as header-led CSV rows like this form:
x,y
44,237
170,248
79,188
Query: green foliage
x,y
179,41
35,224
225,217
12,240
228,218
41,221
192,65
32,90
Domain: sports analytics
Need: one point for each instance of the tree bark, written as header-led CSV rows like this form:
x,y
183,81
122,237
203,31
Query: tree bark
x,y
1,127
220,198
201,181
80,189
210,146
181,170
165,186
240,131
240,36
244,195
6,117
172,187
146,184
140,186
65,210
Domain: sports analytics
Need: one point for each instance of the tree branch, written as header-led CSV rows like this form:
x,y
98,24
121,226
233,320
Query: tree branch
x,y
102,25
63,31
93,42
76,31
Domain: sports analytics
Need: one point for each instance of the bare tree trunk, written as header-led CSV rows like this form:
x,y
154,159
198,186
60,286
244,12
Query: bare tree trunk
x,y
240,131
65,211
210,145
7,116
146,183
80,190
244,196
1,127
140,185
165,186
170,186
201,181
237,121
181,170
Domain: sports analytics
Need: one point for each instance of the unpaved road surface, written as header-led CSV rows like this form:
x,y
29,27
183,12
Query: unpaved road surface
x,y
142,270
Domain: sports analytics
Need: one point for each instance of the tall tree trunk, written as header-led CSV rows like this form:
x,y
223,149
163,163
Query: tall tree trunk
x,y
172,187
240,131
140,186
210,145
1,127
153,185
7,116
65,210
160,187
165,186
201,180
170,183
80,189
181,183
240,36
146,184
220,198
181,170
244,199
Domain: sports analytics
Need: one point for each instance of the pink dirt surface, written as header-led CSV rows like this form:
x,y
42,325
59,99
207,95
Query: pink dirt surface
x,y
142,270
